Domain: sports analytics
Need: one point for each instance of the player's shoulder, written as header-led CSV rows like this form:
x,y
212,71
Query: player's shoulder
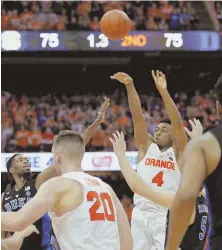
x,y
202,141
206,142
59,184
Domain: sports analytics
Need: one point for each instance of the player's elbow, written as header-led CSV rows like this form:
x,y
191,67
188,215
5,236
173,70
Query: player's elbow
x,y
134,187
187,196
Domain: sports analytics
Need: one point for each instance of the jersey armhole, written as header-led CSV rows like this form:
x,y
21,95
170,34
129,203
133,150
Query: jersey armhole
x,y
144,155
77,208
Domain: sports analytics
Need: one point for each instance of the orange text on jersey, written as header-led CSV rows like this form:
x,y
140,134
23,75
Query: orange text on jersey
x,y
92,182
160,163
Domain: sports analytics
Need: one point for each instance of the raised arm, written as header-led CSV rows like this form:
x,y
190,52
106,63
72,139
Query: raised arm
x,y
135,182
194,171
143,139
180,138
50,171
199,162
34,209
89,132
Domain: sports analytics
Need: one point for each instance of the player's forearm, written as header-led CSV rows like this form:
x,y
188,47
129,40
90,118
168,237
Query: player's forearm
x,y
138,186
181,212
139,121
134,101
13,243
171,108
175,119
9,221
129,174
90,131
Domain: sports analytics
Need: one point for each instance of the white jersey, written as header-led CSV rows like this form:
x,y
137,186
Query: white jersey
x,y
93,225
160,170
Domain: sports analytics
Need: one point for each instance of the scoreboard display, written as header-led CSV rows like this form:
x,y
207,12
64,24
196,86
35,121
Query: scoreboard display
x,y
96,41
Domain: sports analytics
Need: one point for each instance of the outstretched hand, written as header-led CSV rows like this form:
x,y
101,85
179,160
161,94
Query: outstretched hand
x,y
29,230
119,144
102,110
197,129
122,77
160,80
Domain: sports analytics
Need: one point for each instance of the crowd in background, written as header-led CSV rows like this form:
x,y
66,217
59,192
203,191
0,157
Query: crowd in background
x,y
85,15
30,123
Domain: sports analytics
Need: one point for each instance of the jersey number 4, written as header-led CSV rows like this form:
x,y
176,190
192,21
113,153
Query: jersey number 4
x,y
101,200
158,179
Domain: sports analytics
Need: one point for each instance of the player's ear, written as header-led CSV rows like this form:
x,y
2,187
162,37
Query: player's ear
x,y
12,170
57,158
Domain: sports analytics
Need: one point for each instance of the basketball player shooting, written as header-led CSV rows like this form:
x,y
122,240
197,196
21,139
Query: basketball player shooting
x,y
193,239
85,212
202,164
157,162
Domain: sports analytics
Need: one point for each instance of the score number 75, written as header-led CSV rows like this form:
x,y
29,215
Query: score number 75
x,y
49,40
174,39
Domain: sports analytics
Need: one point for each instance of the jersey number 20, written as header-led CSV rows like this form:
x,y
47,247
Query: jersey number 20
x,y
104,200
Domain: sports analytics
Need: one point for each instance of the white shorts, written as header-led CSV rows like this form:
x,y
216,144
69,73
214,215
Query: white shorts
x,y
148,230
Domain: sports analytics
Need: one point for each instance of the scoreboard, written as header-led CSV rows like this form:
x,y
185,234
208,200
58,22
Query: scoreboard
x,y
96,41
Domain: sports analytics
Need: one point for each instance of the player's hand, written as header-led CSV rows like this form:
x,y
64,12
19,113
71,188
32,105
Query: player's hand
x,y
102,110
29,230
160,80
119,144
197,129
122,77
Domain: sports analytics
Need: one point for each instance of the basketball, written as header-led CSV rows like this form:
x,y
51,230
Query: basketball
x,y
115,24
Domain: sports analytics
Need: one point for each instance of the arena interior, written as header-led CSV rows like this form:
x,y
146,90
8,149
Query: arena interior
x,y
56,70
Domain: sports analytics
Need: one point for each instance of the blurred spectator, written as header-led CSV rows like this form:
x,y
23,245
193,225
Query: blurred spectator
x,y
154,12
62,20
218,9
22,139
151,24
35,139
94,24
166,9
185,19
98,140
175,19
163,25
47,139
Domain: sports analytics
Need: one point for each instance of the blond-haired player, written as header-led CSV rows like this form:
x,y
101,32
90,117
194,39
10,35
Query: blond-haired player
x,y
85,212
